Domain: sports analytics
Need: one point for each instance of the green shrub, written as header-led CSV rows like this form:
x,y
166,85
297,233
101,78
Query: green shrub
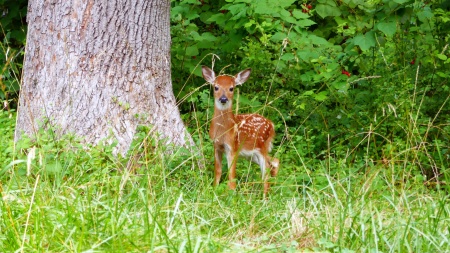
x,y
332,75
12,43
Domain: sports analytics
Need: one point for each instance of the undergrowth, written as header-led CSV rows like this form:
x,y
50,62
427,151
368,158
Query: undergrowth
x,y
60,195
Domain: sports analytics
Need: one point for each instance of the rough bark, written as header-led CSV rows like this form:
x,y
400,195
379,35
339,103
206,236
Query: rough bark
x,y
98,68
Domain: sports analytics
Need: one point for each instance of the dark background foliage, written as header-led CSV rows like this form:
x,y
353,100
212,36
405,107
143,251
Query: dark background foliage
x,y
332,75
12,41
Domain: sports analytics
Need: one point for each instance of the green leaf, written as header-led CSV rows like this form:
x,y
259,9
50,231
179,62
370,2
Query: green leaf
x,y
195,2
325,10
316,40
298,14
388,28
442,74
342,86
321,96
302,106
272,7
366,41
205,44
278,36
287,57
402,1
191,51
218,18
424,15
442,57
208,36
308,93
283,3
264,8
290,20
307,55
192,15
305,23
237,8
177,10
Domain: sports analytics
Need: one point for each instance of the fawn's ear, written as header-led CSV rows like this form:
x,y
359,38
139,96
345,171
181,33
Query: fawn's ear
x,y
208,74
242,76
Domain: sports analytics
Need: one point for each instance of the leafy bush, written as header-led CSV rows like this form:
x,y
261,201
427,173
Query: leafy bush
x,y
331,75
12,42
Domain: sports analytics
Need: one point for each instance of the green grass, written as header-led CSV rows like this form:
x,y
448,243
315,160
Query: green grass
x,y
69,200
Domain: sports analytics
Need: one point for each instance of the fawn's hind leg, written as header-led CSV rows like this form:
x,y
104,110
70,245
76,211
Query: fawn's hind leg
x,y
274,164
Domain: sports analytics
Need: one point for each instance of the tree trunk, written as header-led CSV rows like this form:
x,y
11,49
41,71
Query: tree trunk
x,y
98,69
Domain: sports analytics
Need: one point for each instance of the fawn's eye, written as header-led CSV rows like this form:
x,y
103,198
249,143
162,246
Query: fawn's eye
x,y
216,88
231,88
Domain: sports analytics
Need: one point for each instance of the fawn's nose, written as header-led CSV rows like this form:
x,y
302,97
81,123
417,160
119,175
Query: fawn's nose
x,y
223,99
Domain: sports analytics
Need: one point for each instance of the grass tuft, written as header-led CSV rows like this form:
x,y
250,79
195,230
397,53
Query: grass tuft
x,y
72,200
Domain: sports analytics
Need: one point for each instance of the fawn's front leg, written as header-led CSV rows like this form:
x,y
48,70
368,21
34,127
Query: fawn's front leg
x,y
218,154
231,162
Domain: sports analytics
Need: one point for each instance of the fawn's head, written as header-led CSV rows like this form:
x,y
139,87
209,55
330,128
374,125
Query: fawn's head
x,y
224,86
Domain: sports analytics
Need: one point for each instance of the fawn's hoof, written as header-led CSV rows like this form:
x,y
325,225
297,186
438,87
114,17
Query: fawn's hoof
x,y
232,185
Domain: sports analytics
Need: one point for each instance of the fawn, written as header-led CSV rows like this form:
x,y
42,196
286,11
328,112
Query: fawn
x,y
248,135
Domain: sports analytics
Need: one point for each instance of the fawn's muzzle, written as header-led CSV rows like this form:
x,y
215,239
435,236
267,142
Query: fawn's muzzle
x,y
223,99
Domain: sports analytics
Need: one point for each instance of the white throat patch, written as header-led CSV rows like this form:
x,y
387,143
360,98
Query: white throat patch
x,y
221,106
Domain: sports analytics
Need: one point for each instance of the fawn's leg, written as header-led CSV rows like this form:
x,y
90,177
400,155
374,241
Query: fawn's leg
x,y
231,160
274,164
218,154
265,175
